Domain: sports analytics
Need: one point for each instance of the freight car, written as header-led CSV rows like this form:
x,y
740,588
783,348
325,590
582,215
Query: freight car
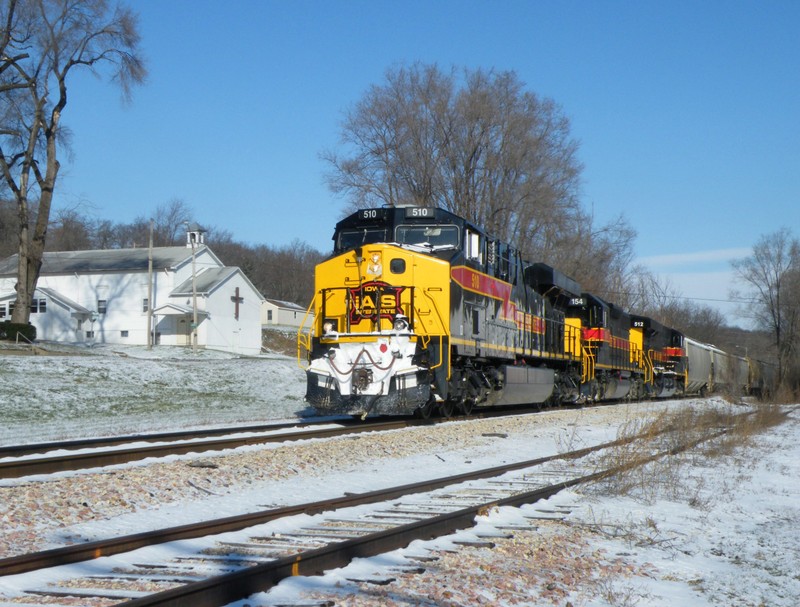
x,y
418,310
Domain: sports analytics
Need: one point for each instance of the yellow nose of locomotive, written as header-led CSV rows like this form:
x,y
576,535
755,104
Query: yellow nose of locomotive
x,y
377,309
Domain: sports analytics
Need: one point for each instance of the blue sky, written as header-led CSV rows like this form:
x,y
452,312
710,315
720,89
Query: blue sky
x,y
687,113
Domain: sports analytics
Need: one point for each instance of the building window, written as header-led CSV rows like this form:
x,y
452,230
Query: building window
x,y
269,315
89,334
101,306
145,305
3,311
123,334
38,306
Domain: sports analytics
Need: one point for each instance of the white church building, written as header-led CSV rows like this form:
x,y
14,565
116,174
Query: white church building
x,y
116,296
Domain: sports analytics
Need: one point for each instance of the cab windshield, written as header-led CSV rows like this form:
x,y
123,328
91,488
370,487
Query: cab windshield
x,y
436,236
349,239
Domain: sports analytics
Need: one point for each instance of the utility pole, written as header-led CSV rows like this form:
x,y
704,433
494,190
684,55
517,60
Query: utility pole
x,y
150,290
192,237
195,235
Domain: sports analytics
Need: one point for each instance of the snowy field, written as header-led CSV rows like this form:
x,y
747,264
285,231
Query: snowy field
x,y
718,531
115,390
721,530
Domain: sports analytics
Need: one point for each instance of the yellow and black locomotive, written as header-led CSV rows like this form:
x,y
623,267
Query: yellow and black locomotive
x,y
419,310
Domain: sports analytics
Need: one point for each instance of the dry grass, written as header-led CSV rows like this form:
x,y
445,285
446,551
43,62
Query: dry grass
x,y
785,395
687,436
281,341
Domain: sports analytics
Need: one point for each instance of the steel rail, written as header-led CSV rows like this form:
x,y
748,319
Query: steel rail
x,y
17,468
91,550
223,589
97,459
226,588
114,441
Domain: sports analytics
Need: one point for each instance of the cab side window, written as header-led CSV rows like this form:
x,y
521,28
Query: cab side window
x,y
473,244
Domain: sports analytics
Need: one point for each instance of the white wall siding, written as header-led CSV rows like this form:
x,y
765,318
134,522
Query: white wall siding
x,y
282,314
223,331
124,317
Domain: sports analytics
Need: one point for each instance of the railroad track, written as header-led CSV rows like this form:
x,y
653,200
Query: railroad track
x,y
258,550
84,454
116,441
33,459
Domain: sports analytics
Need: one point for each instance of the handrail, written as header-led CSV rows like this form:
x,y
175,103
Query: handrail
x,y
444,325
588,364
304,339
649,368
23,337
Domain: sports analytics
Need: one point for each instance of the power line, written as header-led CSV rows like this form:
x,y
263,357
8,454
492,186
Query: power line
x,y
685,297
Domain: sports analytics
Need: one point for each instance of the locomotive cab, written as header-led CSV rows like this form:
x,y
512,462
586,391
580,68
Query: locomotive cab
x,y
662,356
430,229
612,370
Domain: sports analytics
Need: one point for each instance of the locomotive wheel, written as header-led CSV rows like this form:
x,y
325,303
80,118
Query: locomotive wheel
x,y
446,408
465,406
426,410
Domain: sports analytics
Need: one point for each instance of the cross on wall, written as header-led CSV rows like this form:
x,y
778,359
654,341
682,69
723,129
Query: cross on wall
x,y
236,300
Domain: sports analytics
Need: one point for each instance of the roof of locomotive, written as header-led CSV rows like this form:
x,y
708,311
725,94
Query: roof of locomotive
x,y
391,217
546,279
395,215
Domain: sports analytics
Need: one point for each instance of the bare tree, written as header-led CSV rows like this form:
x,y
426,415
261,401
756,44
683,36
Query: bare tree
x,y
70,231
599,258
43,41
169,226
772,277
484,148
8,228
707,324
293,267
170,222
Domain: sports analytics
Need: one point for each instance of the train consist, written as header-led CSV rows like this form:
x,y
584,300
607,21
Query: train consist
x,y
420,311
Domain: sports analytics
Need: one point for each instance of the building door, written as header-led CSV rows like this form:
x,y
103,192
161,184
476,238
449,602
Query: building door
x,y
183,336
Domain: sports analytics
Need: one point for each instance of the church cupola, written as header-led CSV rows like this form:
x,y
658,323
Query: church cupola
x,y
195,235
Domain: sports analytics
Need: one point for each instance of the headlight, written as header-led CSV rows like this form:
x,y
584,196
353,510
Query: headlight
x,y
329,325
401,323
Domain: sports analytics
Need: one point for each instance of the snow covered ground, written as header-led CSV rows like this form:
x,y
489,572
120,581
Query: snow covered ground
x,y
720,530
116,390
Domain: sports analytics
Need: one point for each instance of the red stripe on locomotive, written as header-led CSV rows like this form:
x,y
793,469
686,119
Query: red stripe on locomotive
x,y
480,283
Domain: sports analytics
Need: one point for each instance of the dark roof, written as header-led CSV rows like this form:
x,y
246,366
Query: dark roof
x,y
108,260
285,304
207,280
